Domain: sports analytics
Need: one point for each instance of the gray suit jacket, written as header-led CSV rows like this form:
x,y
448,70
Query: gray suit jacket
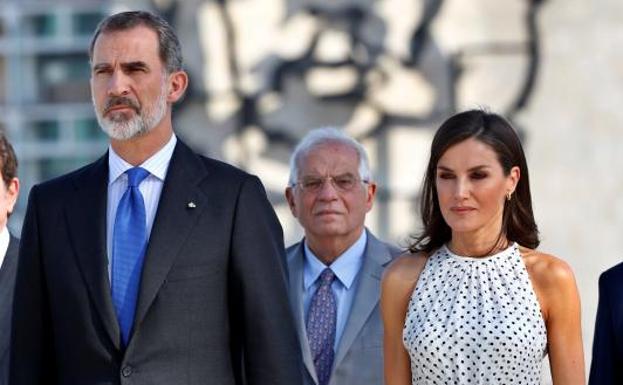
x,y
7,284
359,357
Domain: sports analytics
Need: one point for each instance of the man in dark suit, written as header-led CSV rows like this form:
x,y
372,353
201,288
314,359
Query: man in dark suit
x,y
607,361
9,246
335,271
152,265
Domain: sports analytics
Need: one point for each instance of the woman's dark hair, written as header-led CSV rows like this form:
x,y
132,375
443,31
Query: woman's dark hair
x,y
518,220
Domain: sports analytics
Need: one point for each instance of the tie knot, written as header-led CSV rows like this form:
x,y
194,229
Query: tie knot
x,y
326,277
136,175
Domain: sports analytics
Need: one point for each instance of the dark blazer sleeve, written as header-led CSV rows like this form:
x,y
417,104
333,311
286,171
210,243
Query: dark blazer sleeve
x,y
607,360
258,303
8,269
31,346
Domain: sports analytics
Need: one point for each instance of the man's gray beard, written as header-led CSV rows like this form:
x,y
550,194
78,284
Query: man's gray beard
x,y
139,124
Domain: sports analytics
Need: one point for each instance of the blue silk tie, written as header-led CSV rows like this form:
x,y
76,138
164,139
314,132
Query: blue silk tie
x,y
321,321
128,248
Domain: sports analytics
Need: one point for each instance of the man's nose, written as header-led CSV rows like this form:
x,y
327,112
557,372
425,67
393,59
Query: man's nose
x,y
328,191
118,84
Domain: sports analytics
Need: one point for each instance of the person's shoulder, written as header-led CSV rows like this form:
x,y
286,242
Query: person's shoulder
x,y
405,268
401,276
220,167
613,275
184,153
547,270
293,249
72,179
392,250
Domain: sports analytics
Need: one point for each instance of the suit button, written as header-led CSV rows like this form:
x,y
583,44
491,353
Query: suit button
x,y
126,371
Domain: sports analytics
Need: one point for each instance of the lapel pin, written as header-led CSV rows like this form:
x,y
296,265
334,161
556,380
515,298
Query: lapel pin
x,y
191,205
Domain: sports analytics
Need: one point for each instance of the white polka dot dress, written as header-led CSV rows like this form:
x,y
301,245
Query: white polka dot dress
x,y
475,321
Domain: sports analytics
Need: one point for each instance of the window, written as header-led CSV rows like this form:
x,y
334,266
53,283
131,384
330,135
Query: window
x,y
88,129
64,78
42,25
85,23
45,130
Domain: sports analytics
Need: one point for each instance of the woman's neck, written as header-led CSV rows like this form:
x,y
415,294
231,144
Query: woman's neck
x,y
477,245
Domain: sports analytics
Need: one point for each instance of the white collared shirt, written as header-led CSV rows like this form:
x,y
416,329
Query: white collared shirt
x,y
150,188
5,238
346,268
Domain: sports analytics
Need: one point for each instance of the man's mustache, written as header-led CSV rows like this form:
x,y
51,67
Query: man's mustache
x,y
121,101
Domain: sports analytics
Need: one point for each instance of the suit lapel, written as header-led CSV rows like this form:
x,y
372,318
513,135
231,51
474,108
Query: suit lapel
x,y
86,222
174,220
296,265
367,295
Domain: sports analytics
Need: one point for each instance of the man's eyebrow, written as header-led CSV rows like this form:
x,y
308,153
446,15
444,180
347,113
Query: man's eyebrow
x,y
135,65
344,174
101,66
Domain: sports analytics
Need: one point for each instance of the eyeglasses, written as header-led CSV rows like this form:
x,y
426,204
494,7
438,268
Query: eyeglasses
x,y
342,183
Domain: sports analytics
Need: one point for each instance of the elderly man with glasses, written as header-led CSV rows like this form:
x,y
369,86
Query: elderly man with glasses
x,y
335,271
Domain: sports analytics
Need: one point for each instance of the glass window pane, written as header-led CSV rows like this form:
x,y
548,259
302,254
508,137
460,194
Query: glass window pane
x,y
44,25
46,130
64,78
85,23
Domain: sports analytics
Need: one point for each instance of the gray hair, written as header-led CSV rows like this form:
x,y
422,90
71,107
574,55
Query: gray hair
x,y
168,44
320,136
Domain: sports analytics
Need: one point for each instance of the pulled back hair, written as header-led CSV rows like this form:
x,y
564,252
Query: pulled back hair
x,y
518,223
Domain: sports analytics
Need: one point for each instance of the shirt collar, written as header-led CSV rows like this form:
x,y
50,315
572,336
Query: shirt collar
x,y
157,164
345,267
5,238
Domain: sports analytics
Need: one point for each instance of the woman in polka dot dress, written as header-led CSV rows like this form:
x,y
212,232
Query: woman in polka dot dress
x,y
474,302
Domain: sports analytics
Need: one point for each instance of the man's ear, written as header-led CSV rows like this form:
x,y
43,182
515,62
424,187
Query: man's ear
x,y
177,84
371,191
290,199
12,191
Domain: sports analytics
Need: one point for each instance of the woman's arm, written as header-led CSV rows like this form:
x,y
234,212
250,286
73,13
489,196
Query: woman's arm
x,y
396,289
560,303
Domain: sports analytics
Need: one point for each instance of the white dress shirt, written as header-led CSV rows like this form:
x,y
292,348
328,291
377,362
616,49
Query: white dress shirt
x,y
4,243
150,188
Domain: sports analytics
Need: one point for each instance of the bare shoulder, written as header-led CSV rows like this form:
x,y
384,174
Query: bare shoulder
x,y
553,282
547,271
404,271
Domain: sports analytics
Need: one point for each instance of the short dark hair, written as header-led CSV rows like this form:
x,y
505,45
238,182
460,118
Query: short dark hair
x,y
518,223
169,46
8,160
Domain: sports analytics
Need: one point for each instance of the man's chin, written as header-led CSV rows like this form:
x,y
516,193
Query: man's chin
x,y
123,133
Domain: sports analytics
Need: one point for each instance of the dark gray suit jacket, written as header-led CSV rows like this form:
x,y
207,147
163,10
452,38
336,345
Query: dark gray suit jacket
x,y
7,284
212,306
607,362
359,356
